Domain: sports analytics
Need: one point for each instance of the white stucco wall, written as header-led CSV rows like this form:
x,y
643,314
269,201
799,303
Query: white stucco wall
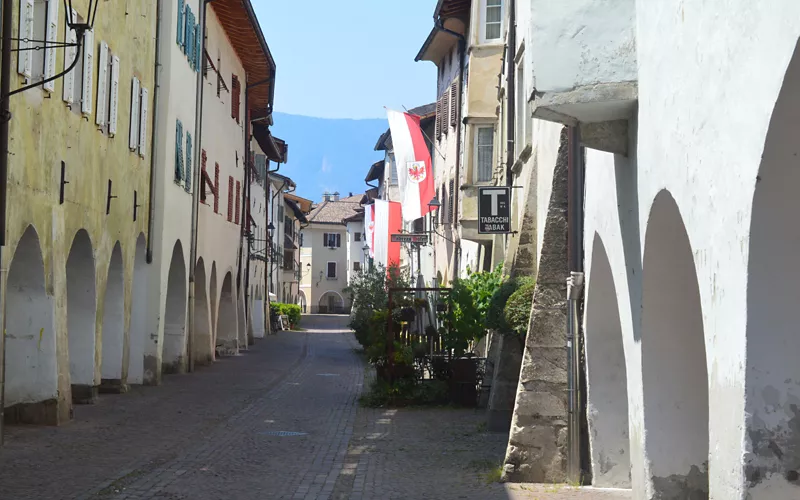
x,y
701,141
315,283
581,42
355,249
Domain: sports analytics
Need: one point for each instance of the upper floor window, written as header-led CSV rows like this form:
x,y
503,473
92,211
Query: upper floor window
x,y
332,240
357,237
484,151
392,170
493,20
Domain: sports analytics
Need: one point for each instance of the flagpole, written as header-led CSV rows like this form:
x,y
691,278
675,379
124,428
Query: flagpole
x,y
433,143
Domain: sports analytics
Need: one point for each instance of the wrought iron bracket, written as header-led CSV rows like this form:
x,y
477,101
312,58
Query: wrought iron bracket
x,y
45,44
80,33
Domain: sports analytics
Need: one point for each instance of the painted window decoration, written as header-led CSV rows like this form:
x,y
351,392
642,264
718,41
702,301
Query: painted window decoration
x,y
187,184
484,151
494,19
238,204
189,38
230,198
178,151
236,90
216,188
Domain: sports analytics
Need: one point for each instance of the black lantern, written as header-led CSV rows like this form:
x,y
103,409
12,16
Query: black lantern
x,y
88,22
434,205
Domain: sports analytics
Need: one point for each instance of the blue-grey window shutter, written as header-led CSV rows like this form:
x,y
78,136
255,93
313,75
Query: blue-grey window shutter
x,y
188,47
188,180
178,151
181,8
198,51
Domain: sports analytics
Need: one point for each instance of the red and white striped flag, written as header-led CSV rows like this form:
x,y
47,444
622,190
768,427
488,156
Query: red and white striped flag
x,y
388,221
413,163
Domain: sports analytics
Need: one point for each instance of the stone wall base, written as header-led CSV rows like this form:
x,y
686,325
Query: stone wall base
x,y
112,386
84,394
41,413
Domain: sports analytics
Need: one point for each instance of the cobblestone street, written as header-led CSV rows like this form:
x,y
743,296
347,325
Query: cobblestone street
x,y
279,421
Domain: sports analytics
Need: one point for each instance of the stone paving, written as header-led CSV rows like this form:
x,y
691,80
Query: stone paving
x,y
280,421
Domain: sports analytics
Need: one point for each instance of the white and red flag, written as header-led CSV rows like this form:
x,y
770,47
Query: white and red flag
x,y
369,228
413,163
388,221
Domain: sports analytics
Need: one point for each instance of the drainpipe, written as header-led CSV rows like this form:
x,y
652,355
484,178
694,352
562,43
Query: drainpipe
x,y
154,136
574,292
511,93
5,119
198,158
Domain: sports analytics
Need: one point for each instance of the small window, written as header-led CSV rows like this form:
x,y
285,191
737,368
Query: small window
x,y
331,270
357,237
494,19
484,150
356,266
235,96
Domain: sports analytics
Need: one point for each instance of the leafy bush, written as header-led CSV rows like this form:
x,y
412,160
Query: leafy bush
x,y
405,392
517,311
292,311
369,292
469,304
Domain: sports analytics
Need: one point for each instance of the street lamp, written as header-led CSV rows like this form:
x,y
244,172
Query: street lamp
x,y
90,16
433,206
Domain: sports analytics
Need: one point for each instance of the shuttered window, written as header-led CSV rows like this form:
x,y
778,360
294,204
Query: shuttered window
x,y
451,216
102,85
51,35
443,208
445,112
230,199
484,151
143,112
331,269
454,104
133,137
70,53
235,97
332,240
178,151
198,48
181,9
188,47
113,112
216,188
88,73
238,200
439,118
187,184
26,25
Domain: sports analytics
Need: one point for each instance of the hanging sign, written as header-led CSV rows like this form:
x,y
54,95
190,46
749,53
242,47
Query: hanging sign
x,y
494,210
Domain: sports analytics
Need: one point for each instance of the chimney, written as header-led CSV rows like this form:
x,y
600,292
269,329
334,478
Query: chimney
x,y
326,196
336,196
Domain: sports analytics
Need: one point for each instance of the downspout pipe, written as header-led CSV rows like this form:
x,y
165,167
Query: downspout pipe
x,y
575,214
511,95
198,158
154,137
5,119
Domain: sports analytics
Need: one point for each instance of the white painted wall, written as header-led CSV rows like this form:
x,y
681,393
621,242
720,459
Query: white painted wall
x,y
314,284
700,140
355,249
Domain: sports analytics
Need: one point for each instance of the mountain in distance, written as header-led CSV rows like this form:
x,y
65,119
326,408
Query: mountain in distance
x,y
328,154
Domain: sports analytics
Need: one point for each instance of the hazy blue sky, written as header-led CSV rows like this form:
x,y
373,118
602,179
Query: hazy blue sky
x,y
348,59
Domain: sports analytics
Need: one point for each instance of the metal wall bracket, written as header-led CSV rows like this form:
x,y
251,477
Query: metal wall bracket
x,y
109,198
63,182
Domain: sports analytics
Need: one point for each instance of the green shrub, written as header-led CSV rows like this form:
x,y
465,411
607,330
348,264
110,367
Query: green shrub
x,y
369,293
405,392
292,311
517,310
495,317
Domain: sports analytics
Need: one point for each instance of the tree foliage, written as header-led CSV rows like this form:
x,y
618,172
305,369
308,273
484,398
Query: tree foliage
x,y
517,311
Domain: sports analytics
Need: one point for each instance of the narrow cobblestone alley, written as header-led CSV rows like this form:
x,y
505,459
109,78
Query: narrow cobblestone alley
x,y
279,421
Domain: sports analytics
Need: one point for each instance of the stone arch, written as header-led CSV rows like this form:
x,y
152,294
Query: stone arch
x,y
331,302
212,292
772,402
302,301
241,322
257,313
201,342
607,389
81,318
31,363
227,336
137,335
113,332
674,370
174,353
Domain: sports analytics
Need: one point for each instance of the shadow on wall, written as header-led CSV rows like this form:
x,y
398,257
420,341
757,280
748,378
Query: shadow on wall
x,y
81,318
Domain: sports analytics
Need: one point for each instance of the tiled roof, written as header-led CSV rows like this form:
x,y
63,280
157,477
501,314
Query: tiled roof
x,y
333,212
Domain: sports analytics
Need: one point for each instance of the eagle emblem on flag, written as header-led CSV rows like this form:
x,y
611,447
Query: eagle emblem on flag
x,y
417,172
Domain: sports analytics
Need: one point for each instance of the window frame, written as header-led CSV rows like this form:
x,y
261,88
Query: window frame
x,y
484,24
475,152
335,270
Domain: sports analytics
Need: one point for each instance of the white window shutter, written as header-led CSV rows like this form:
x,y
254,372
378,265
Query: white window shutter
x,y
143,122
88,73
102,84
114,101
51,35
133,139
70,53
25,57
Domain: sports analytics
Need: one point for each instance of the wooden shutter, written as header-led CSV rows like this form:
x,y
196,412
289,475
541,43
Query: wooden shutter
x,y
25,57
451,217
439,118
324,239
187,185
445,109
70,53
113,111
235,97
143,112
238,198
331,269
443,201
189,42
102,84
178,151
230,198
198,50
133,139
88,73
338,240
216,188
181,8
454,104
51,35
